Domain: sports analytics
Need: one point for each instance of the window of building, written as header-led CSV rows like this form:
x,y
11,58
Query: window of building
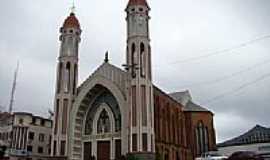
x,y
29,148
42,122
31,135
134,142
50,139
144,107
41,137
144,141
142,60
20,121
133,60
202,139
103,124
56,116
59,77
40,149
54,148
34,120
134,109
62,149
65,112
149,62
74,77
67,78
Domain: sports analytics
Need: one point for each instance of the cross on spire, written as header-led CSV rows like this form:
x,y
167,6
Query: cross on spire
x,y
106,59
72,8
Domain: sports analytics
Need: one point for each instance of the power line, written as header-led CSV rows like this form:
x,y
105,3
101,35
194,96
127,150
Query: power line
x,y
221,51
243,86
226,77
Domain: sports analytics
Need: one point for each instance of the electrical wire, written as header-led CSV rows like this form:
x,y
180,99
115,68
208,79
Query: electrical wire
x,y
226,77
236,90
221,51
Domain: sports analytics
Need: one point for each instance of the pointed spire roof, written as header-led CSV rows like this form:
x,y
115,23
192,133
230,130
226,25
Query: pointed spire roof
x,y
137,2
71,21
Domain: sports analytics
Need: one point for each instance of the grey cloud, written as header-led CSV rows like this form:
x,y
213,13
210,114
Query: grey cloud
x,y
179,30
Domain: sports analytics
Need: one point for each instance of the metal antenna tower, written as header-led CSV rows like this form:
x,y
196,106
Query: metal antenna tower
x,y
13,89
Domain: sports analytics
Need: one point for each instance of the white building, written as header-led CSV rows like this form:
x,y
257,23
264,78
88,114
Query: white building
x,y
25,135
255,140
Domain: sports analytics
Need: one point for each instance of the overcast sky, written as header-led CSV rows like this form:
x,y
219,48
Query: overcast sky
x,y
194,43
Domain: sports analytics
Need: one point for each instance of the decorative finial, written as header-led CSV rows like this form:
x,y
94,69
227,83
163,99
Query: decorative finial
x,y
72,9
106,60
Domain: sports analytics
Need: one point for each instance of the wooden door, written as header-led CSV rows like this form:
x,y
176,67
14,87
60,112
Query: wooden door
x,y
87,150
103,150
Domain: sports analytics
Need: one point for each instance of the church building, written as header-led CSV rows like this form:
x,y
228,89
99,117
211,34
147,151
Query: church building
x,y
119,112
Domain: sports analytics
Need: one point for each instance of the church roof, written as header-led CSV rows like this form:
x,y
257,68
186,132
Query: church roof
x,y
71,21
182,97
191,106
186,100
110,72
257,134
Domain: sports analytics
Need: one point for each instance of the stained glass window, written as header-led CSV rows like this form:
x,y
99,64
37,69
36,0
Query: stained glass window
x,y
103,124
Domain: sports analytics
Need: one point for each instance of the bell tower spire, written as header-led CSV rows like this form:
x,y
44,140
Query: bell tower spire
x,y
138,62
66,83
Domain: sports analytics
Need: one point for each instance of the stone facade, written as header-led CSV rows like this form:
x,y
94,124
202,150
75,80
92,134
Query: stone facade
x,y
117,112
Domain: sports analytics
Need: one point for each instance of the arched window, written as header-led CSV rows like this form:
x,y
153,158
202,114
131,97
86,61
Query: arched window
x,y
70,46
59,77
127,51
142,60
164,124
74,79
67,77
103,123
133,60
168,119
149,63
202,138
206,148
173,129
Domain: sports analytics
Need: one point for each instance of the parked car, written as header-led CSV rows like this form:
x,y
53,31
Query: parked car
x,y
245,155
211,156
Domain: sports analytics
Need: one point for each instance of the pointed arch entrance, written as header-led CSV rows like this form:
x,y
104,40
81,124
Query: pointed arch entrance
x,y
97,121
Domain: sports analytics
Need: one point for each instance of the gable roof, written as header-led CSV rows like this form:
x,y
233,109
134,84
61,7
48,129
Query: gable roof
x,y
257,134
166,95
111,72
191,106
182,97
186,100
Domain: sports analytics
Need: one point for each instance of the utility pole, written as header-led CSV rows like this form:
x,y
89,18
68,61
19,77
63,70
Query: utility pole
x,y
13,89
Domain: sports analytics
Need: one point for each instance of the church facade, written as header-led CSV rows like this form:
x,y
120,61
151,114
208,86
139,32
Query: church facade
x,y
117,112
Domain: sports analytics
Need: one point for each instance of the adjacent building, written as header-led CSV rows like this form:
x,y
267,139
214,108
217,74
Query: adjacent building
x,y
256,140
199,125
25,135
